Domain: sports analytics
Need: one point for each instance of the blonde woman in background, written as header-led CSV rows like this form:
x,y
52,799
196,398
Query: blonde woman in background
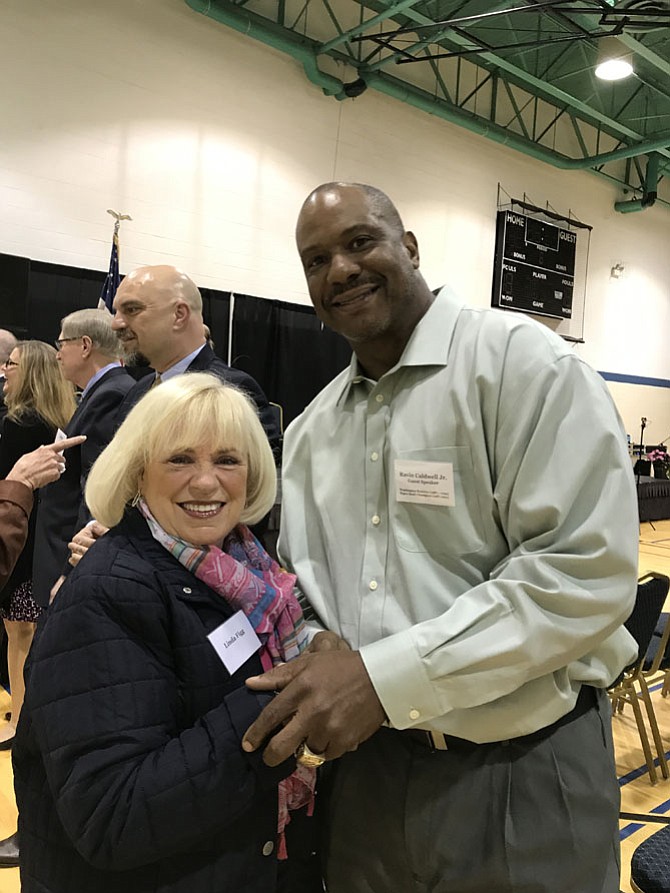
x,y
39,401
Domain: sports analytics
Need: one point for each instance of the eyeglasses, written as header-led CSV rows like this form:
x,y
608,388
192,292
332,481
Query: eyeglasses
x,y
59,342
9,363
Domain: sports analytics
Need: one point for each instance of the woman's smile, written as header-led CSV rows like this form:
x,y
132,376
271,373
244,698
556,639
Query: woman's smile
x,y
200,509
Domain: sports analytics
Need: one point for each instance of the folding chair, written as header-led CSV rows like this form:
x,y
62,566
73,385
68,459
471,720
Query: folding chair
x,y
652,590
657,661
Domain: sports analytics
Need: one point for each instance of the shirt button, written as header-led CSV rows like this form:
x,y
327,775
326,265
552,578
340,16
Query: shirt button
x,y
414,714
187,590
379,398
374,456
376,520
372,585
268,848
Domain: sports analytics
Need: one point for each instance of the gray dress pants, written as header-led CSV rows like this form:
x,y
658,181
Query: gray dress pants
x,y
512,817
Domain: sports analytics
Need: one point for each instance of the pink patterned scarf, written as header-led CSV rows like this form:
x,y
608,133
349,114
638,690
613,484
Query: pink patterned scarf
x,y
251,581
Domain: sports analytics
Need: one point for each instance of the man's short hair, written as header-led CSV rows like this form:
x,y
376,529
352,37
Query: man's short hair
x,y
97,324
380,202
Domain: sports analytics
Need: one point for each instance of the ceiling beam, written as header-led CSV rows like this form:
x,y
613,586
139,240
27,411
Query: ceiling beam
x,y
305,50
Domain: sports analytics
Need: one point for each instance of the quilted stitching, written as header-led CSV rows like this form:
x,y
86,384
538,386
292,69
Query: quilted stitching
x,y
140,785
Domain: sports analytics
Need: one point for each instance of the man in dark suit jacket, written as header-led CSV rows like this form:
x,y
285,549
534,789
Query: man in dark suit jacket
x,y
158,318
88,352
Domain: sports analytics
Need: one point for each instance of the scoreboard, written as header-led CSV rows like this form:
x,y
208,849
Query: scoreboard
x,y
534,268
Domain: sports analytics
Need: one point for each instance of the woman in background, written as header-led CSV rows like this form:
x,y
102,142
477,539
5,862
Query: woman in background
x,y
39,401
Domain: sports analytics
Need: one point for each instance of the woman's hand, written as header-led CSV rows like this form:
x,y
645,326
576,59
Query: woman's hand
x,y
43,465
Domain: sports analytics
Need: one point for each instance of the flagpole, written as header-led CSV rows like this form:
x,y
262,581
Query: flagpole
x,y
113,276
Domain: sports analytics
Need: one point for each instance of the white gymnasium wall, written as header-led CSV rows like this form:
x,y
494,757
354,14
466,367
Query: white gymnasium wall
x,y
212,140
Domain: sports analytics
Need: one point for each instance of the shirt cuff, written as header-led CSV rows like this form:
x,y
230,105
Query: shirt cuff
x,y
312,628
399,678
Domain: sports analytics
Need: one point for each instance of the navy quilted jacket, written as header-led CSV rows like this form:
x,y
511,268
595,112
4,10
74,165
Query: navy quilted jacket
x,y
129,772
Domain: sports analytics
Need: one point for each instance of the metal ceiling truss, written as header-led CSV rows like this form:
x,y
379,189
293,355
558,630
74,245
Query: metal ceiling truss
x,y
521,75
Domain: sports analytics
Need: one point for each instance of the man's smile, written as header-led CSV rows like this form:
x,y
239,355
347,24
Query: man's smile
x,y
353,296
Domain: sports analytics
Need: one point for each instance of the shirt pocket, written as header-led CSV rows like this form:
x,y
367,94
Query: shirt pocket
x,y
438,529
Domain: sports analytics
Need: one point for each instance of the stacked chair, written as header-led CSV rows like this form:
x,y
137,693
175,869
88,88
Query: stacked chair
x,y
632,687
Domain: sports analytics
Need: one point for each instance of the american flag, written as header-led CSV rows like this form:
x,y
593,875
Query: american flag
x,y
113,278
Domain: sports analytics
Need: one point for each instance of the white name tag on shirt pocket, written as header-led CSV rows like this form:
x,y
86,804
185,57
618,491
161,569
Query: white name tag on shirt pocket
x,y
424,483
235,641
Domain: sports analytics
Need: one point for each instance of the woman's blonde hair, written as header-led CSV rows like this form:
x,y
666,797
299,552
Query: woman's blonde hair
x,y
184,413
40,387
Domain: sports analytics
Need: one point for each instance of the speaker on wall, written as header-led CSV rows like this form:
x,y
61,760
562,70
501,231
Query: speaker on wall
x,y
14,278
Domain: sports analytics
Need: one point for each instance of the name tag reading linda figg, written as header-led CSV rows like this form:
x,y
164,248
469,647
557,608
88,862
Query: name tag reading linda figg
x,y
424,483
235,641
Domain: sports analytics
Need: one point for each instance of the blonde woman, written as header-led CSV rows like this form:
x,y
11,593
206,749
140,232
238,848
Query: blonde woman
x,y
39,401
128,766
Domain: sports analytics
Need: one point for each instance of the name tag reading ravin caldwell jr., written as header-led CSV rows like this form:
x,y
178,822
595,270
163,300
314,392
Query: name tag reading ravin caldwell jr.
x,y
426,483
235,641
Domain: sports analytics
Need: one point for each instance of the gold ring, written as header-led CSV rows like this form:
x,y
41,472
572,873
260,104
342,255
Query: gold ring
x,y
307,757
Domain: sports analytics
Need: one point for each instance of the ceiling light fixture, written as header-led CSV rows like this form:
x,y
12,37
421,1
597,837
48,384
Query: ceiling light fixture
x,y
615,62
617,271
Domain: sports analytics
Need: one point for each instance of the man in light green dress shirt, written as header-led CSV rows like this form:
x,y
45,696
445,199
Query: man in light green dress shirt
x,y
459,508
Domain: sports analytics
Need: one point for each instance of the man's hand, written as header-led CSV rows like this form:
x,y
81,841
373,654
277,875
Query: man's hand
x,y
56,586
43,465
83,540
326,700
327,641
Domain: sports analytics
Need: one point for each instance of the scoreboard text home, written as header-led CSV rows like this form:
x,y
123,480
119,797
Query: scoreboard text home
x,y
534,266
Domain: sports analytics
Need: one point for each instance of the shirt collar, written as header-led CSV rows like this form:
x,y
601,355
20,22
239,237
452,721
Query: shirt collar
x,y
98,375
182,365
428,345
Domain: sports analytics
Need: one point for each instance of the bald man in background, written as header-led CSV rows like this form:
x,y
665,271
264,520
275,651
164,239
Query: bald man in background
x,y
158,318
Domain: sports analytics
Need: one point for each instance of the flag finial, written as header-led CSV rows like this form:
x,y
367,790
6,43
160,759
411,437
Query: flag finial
x,y
113,277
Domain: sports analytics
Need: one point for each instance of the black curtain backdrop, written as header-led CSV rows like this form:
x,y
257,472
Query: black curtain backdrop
x,y
216,313
53,292
14,277
286,349
283,346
